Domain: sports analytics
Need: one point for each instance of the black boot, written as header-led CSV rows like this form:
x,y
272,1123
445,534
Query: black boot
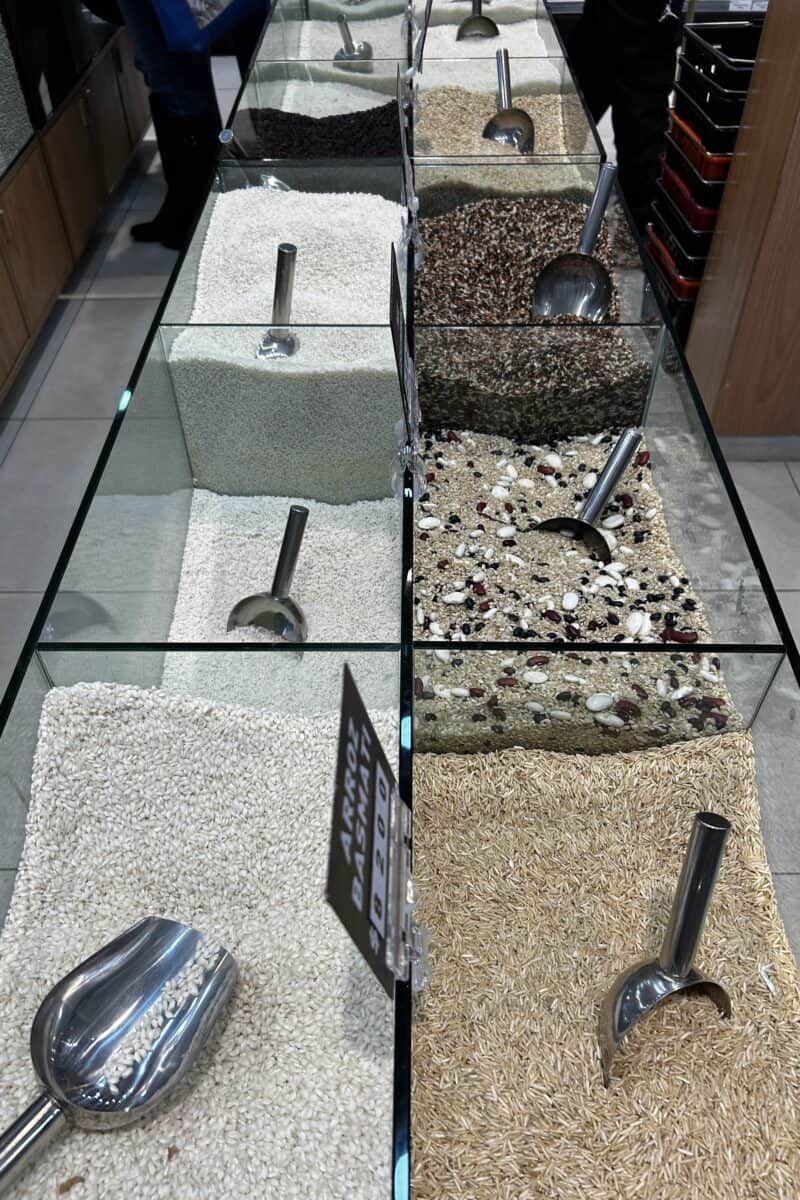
x,y
188,147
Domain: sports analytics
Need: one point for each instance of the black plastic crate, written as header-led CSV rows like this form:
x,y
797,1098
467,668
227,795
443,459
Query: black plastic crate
x,y
716,139
720,105
725,51
706,192
688,248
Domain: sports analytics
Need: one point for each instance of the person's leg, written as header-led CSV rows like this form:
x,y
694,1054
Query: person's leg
x,y
640,109
245,36
590,57
186,119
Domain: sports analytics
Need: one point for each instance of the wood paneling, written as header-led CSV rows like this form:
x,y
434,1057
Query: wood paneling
x,y
743,348
75,171
107,120
34,241
13,330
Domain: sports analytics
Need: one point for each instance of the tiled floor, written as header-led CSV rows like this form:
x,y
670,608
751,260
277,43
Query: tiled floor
x,y
54,422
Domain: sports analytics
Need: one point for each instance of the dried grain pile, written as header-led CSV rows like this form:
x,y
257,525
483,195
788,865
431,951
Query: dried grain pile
x,y
541,876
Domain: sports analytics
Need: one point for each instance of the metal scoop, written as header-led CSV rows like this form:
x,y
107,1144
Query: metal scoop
x,y
278,342
476,25
350,51
576,284
583,526
638,991
276,610
509,126
117,1034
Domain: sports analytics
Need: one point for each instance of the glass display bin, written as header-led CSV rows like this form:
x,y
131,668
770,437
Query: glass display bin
x,y
291,35
216,814
484,361
321,109
524,30
215,448
343,216
454,102
541,875
556,713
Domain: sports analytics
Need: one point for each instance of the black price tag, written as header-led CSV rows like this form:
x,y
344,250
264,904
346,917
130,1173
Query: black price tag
x,y
358,861
402,354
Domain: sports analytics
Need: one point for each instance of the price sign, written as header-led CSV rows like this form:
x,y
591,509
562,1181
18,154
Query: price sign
x,y
358,859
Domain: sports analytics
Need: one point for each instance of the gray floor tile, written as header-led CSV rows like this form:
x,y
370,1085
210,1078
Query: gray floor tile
x,y
41,483
149,192
84,272
225,70
8,431
790,603
17,610
759,449
225,100
794,471
787,890
27,384
6,888
772,503
133,268
94,365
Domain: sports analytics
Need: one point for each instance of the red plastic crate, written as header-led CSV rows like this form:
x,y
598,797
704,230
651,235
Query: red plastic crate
x,y
681,287
708,166
697,216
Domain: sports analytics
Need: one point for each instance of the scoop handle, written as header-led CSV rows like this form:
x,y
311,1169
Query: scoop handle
x,y
616,465
597,209
29,1134
347,37
503,78
284,285
693,893
477,6
290,550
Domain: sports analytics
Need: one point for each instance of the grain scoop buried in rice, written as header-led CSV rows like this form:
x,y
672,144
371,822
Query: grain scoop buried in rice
x,y
640,989
583,526
115,1036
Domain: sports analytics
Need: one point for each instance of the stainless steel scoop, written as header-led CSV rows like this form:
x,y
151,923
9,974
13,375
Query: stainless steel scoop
x,y
276,611
576,284
583,526
476,25
638,991
116,1035
509,126
279,342
350,51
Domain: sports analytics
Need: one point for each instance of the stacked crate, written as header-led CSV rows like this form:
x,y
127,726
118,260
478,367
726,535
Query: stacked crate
x,y
716,65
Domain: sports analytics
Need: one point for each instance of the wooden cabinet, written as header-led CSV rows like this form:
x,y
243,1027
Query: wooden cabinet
x,y
107,121
75,171
34,242
13,330
133,89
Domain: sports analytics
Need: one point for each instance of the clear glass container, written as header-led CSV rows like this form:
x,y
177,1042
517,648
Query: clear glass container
x,y
344,217
321,109
524,30
215,447
453,106
199,785
291,35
